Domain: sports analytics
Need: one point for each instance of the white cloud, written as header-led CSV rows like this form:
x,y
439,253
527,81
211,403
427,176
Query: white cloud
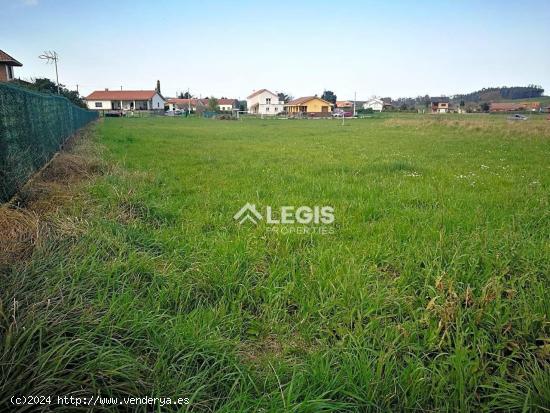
x,y
29,2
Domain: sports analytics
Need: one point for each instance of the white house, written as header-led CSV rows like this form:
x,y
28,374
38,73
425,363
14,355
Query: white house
x,y
227,105
375,104
125,100
264,102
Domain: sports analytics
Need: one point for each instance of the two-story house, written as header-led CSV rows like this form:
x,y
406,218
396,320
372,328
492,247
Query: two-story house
x,y
264,102
440,105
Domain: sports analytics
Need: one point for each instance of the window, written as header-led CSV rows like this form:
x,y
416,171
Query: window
x,y
276,109
267,109
99,104
267,101
10,72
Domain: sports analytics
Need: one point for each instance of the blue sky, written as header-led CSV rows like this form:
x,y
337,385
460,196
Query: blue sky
x,y
387,48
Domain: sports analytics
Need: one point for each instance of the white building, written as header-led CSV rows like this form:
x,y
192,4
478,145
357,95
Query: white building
x,y
125,100
192,104
227,105
375,104
264,102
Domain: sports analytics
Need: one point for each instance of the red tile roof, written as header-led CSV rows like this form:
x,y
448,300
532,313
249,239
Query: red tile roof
x,y
121,95
8,60
193,101
226,101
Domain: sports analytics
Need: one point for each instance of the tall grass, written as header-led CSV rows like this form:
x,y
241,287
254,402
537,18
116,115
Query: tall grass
x,y
429,295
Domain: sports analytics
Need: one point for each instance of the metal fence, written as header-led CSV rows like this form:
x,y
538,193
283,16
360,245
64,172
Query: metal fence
x,y
33,126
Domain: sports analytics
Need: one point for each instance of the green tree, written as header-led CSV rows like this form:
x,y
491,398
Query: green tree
x,y
213,104
45,85
283,97
484,107
329,96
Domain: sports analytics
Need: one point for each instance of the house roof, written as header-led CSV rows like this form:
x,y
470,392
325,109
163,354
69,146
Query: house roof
x,y
226,101
8,60
121,95
260,91
305,99
441,99
343,103
192,101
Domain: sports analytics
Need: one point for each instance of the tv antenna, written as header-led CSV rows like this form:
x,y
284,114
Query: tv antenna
x,y
52,57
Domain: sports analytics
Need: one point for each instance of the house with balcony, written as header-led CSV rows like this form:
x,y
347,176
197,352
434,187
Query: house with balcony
x,y
440,104
264,102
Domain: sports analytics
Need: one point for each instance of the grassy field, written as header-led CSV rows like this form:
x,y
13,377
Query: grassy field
x,y
428,293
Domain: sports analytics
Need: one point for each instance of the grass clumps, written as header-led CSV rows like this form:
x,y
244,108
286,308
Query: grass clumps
x,y
430,293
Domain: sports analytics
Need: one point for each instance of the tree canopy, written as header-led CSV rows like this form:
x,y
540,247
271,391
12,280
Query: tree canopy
x,y
45,85
329,96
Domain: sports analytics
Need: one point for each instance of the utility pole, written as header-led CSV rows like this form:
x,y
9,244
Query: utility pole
x,y
354,102
52,57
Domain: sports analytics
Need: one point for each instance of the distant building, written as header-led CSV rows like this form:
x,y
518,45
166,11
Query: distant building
x,y
388,105
125,100
7,63
309,105
440,104
227,105
264,102
344,104
375,104
186,104
514,106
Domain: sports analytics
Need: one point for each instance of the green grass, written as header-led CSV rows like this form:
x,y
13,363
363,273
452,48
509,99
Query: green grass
x,y
430,294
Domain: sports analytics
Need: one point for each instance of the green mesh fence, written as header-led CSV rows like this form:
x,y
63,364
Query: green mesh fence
x,y
33,126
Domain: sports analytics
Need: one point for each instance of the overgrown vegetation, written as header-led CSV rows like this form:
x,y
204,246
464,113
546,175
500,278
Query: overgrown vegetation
x,y
45,85
430,295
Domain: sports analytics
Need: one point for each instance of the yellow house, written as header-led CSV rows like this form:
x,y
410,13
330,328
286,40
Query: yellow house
x,y
309,105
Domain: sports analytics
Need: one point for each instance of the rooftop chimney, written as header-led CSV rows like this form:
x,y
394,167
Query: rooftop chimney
x,y
106,89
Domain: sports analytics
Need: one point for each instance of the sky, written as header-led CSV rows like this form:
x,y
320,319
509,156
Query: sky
x,y
230,48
